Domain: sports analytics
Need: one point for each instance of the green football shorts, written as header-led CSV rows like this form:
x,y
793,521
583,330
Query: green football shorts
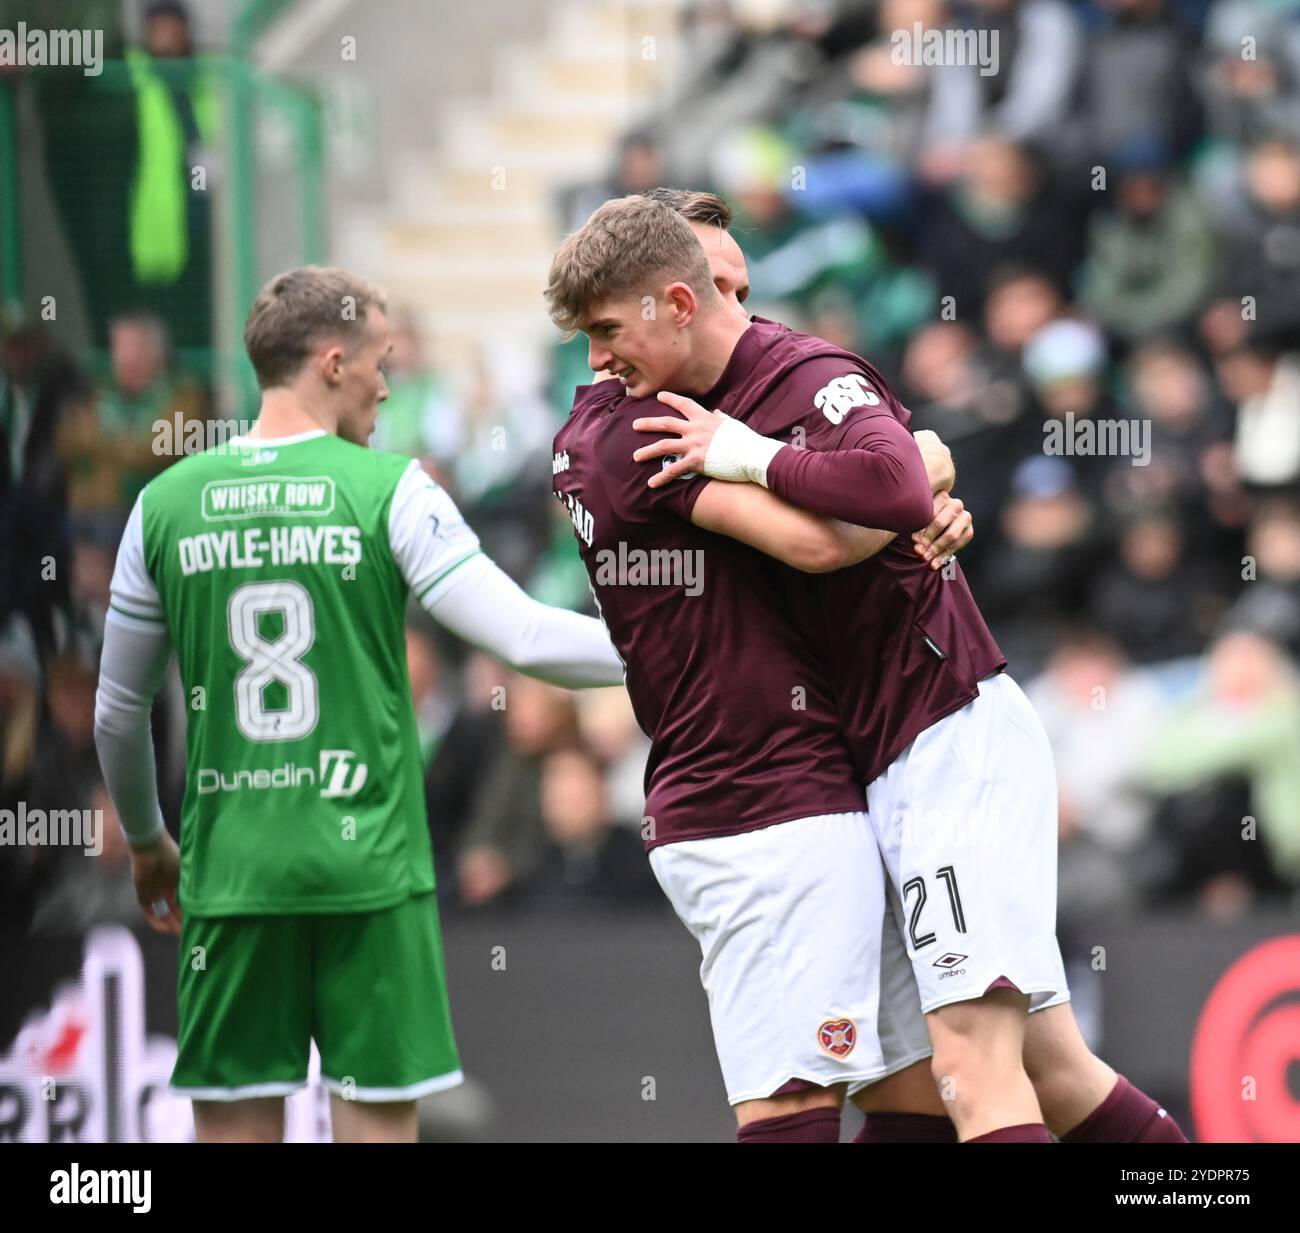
x,y
369,987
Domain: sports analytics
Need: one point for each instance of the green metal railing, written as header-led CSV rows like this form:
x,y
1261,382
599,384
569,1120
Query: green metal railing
x,y
248,89
11,248
247,94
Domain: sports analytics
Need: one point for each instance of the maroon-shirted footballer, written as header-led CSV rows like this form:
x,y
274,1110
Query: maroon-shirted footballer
x,y
742,722
904,646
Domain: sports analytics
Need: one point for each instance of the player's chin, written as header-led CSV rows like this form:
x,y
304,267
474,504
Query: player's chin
x,y
359,434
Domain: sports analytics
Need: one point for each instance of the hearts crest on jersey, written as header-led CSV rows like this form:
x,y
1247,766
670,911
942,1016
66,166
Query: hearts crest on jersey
x,y
837,1037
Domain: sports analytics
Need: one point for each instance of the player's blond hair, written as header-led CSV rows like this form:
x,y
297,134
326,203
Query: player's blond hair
x,y
296,310
631,245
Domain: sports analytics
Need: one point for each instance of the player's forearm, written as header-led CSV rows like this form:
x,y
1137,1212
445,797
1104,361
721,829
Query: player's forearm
x,y
793,536
937,460
132,666
881,482
885,487
566,649
488,609
861,542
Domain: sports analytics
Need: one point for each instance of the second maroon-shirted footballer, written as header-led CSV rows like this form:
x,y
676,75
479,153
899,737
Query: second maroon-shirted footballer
x,y
903,645
960,787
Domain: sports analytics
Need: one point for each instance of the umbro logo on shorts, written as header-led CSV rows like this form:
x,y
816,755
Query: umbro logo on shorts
x,y
837,1037
950,960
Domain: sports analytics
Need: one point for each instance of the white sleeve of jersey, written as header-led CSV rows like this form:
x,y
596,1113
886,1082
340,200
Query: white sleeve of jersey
x,y
463,590
131,670
482,604
428,536
132,591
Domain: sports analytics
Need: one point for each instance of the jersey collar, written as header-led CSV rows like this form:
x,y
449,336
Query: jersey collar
x,y
298,436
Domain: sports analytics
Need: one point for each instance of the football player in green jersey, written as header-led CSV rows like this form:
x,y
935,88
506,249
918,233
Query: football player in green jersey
x,y
278,566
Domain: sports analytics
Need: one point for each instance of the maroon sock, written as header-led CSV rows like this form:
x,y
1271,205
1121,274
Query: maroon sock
x,y
906,1128
810,1126
1127,1115
1028,1132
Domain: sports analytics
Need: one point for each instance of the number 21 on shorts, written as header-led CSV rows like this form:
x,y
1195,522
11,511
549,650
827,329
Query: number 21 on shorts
x,y
948,876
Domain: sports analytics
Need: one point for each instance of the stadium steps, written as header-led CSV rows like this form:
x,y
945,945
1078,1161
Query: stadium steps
x,y
465,234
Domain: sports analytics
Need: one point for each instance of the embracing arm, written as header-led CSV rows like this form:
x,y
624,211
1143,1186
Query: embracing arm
x,y
462,589
883,480
800,539
483,605
715,445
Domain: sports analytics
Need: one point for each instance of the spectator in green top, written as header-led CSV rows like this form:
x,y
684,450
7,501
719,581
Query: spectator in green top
x,y
1246,723
109,445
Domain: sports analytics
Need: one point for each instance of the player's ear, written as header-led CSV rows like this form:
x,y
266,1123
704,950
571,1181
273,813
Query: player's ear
x,y
330,362
682,304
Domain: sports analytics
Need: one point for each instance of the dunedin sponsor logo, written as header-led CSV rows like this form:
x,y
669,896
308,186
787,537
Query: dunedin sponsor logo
x,y
338,775
837,1037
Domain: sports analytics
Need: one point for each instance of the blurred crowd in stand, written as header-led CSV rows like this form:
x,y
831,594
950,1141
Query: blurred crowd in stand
x,y
1082,270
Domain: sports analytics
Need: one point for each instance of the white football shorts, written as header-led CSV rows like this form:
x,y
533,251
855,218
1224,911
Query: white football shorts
x,y
790,920
818,966
965,820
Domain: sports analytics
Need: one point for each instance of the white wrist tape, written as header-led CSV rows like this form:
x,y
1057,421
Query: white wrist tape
x,y
739,454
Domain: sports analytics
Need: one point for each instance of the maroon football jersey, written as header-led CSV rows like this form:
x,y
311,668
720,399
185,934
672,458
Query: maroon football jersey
x,y
741,720
903,645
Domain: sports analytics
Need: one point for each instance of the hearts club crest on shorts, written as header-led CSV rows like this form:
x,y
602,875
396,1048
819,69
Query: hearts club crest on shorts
x,y
837,1037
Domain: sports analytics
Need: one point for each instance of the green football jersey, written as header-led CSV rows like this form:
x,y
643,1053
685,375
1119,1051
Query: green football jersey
x,y
281,569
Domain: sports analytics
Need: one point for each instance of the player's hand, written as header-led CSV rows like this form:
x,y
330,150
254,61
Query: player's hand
x,y
937,457
691,444
951,530
156,871
483,873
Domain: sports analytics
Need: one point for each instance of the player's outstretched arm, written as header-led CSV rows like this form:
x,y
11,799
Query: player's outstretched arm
x,y
948,526
713,444
882,481
800,539
483,605
441,560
